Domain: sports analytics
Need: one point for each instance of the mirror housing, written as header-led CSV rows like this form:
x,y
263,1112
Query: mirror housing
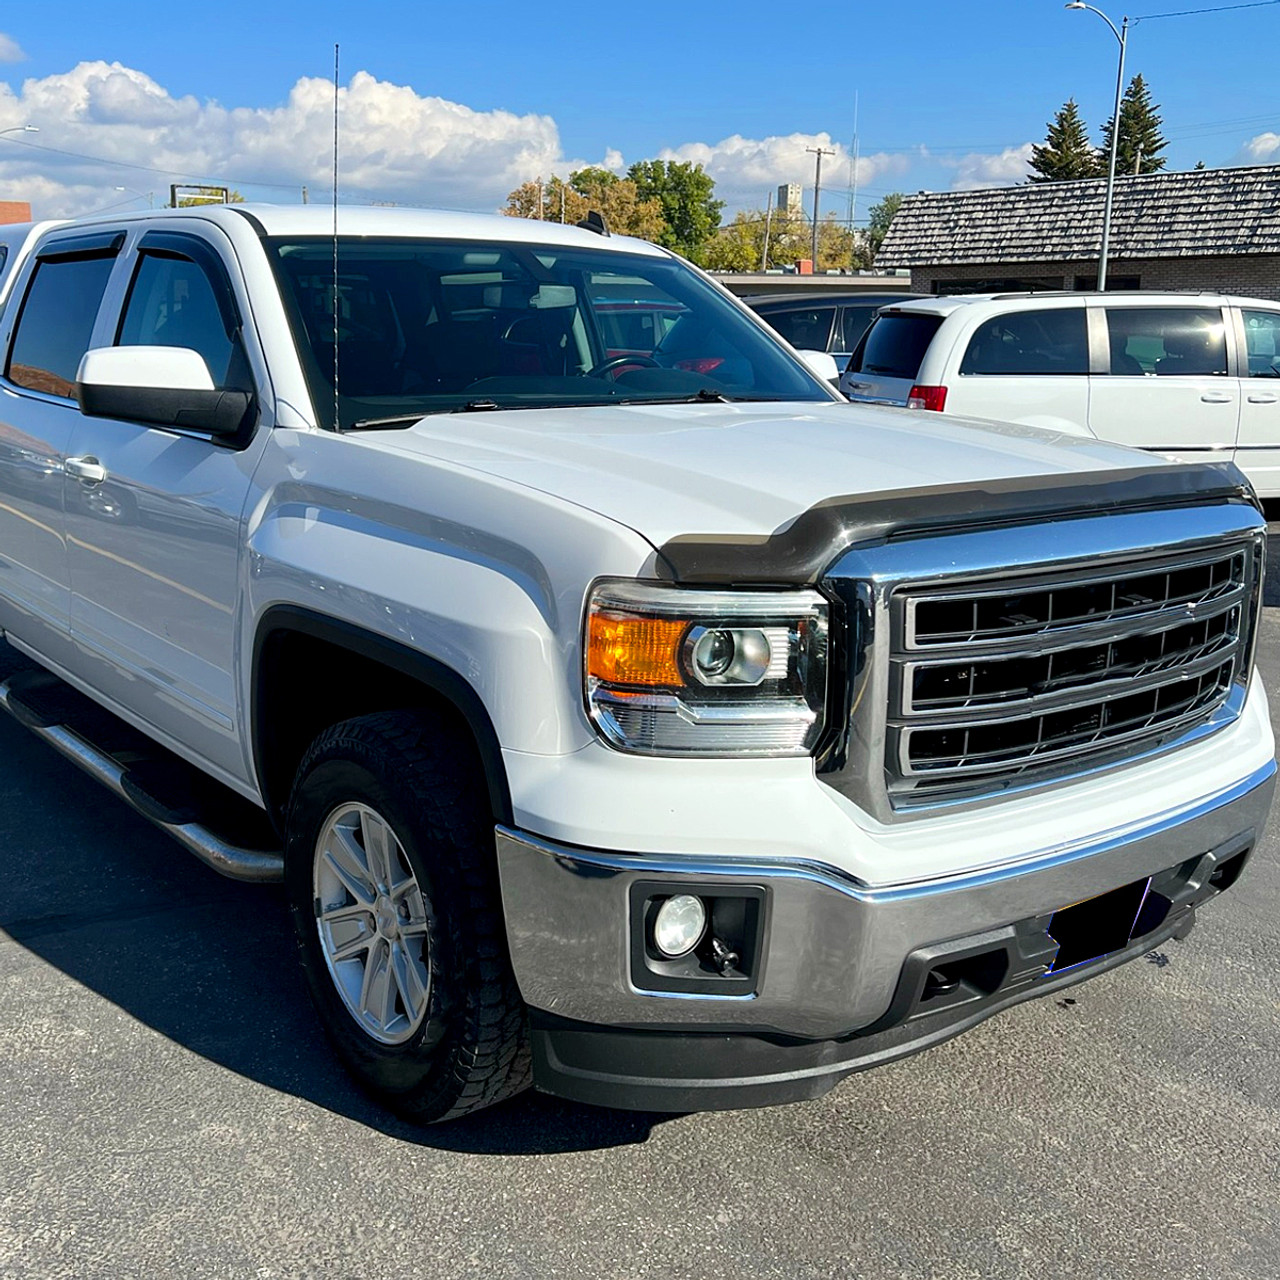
x,y
160,386
821,365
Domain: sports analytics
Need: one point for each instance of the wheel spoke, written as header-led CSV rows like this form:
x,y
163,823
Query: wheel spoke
x,y
348,911
408,980
349,950
374,961
345,861
376,837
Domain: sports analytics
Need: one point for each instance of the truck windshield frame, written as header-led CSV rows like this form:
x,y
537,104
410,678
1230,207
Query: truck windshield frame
x,y
429,326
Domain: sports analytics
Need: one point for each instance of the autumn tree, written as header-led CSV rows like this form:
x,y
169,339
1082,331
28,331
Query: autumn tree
x,y
1067,153
1141,141
615,198
686,193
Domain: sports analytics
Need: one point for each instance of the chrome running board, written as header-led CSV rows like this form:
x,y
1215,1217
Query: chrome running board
x,y
254,865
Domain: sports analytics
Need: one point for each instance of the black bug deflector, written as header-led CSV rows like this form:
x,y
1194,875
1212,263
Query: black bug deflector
x,y
801,551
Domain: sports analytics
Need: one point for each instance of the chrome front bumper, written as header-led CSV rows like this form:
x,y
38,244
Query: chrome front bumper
x,y
835,951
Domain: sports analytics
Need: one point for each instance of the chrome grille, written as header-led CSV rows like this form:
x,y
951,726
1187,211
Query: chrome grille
x,y
1035,665
1059,667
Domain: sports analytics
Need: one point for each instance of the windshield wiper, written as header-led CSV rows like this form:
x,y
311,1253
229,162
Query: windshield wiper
x,y
385,424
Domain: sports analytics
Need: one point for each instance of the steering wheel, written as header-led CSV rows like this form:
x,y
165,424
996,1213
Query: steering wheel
x,y
614,363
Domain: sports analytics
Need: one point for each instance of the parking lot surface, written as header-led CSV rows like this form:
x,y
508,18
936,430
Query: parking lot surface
x,y
170,1108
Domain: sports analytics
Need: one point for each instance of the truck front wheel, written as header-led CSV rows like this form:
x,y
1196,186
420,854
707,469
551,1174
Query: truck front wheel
x,y
395,907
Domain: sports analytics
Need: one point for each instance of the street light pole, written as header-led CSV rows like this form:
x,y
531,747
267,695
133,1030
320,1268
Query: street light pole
x,y
1121,33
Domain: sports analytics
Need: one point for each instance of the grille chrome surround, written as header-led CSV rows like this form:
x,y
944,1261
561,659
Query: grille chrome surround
x,y
1057,650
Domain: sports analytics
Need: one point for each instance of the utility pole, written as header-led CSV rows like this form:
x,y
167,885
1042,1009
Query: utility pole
x,y
768,220
540,215
817,153
306,195
563,196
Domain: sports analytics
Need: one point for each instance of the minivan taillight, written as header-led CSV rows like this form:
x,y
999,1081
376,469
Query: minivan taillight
x,y
920,397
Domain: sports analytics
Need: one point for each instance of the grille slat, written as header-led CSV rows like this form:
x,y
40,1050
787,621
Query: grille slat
x,y
993,681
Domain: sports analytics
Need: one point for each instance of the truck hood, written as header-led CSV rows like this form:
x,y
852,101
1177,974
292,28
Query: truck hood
x,y
741,469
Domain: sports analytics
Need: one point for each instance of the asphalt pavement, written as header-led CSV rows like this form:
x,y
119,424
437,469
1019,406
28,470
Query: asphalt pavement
x,y
170,1109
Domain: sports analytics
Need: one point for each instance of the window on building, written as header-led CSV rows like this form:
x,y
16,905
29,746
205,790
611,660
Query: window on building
x,y
1115,284
1262,343
1167,341
56,323
1030,342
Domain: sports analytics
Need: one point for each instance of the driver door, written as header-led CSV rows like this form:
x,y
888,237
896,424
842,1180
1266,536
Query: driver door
x,y
153,519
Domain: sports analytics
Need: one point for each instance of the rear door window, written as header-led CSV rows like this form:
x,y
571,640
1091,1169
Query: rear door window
x,y
56,323
1162,342
1029,342
807,328
895,344
853,324
1262,343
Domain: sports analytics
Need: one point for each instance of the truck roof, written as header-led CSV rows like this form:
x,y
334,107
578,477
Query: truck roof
x,y
367,220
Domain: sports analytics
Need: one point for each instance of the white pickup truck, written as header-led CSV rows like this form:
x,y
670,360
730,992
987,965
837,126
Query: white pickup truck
x,y
624,712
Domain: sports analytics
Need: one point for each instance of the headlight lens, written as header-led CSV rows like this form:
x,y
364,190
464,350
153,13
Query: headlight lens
x,y
671,671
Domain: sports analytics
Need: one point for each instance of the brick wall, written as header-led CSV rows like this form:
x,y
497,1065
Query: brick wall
x,y
1252,277
15,211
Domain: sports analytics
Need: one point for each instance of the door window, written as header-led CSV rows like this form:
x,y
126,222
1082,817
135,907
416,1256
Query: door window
x,y
1262,343
56,323
853,325
172,304
808,329
1030,342
1180,342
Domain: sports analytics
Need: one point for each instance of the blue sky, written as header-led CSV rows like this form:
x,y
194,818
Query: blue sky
x,y
453,104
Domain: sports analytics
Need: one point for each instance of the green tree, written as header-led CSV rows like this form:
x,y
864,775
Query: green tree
x,y
686,193
1067,153
1141,141
879,216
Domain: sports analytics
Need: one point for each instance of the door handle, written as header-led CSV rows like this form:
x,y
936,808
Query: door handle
x,y
88,470
1216,397
1266,398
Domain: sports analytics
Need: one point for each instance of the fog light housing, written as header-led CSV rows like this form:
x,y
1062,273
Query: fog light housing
x,y
679,925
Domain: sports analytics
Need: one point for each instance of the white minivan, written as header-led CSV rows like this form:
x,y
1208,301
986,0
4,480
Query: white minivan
x,y
1195,376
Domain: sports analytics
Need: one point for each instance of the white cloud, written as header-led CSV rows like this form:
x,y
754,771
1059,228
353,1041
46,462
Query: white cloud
x,y
395,143
1261,149
1002,169
748,168
10,49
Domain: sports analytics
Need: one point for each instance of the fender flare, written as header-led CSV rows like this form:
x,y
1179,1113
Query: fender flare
x,y
426,671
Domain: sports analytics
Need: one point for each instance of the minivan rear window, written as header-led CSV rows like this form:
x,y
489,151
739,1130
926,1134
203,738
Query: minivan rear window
x,y
895,345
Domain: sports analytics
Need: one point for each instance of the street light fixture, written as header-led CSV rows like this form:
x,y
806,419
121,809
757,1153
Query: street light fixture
x,y
1121,33
20,128
149,196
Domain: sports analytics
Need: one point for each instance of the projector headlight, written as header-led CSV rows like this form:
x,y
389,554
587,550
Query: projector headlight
x,y
672,671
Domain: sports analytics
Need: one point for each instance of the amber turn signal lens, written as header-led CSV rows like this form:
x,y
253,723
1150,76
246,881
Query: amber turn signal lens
x,y
635,651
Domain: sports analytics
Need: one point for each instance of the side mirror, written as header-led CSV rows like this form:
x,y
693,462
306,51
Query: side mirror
x,y
821,364
161,386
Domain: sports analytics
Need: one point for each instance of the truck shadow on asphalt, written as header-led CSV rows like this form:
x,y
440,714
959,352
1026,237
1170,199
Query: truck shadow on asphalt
x,y
99,894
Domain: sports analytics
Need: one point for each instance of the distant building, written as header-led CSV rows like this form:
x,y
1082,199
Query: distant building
x,y
790,194
1215,229
15,211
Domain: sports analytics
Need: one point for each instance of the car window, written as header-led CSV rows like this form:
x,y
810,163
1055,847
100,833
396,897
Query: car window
x,y
1262,343
895,345
1166,341
433,326
853,324
1030,342
56,322
807,328
172,304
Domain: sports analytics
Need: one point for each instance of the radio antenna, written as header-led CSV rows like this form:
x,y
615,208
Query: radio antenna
x,y
337,419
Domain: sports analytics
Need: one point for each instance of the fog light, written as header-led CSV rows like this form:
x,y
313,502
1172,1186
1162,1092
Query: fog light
x,y
679,925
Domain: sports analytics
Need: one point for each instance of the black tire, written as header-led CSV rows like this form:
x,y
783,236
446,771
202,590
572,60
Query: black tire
x,y
472,1048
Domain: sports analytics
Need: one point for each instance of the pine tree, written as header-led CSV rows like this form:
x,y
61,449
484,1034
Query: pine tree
x,y
1067,152
1141,141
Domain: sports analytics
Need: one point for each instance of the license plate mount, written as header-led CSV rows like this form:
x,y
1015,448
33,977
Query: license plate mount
x,y
1098,926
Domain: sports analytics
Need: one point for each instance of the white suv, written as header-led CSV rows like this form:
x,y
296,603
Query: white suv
x,y
1192,376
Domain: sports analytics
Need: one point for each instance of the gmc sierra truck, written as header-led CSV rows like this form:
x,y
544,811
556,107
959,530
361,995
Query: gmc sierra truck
x,y
624,712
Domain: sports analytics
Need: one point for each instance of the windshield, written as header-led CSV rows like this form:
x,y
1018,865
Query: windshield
x,y
430,326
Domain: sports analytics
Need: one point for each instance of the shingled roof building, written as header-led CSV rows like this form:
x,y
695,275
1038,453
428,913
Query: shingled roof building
x,y
1216,229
